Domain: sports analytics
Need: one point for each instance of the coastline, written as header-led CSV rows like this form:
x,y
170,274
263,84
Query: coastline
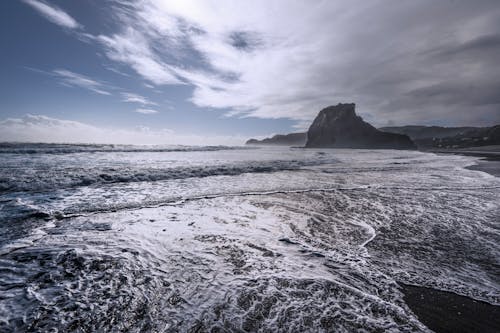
x,y
444,312
489,166
489,162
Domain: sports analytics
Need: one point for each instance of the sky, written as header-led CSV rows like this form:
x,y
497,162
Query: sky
x,y
220,72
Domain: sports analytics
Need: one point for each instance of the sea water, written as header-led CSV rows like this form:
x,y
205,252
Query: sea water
x,y
173,238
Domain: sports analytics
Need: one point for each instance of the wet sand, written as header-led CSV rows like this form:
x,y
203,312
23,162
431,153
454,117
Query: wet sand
x,y
448,312
490,155
491,167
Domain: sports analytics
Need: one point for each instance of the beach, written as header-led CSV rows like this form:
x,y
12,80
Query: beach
x,y
489,162
448,312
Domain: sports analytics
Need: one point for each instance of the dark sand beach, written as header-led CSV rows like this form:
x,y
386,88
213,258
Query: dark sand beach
x,y
448,312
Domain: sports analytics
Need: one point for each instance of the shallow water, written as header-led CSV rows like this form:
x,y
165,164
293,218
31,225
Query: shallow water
x,y
117,238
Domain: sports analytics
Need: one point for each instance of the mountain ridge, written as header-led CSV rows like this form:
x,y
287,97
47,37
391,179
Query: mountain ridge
x,y
291,139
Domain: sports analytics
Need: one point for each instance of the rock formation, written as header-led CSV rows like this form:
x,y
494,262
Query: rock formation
x,y
339,127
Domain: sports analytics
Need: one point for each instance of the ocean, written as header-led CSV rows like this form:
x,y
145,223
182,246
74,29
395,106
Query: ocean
x,y
114,238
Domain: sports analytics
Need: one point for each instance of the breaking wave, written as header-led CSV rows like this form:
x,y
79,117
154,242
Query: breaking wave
x,y
49,179
60,148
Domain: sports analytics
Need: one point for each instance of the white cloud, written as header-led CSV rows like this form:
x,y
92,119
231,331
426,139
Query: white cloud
x,y
274,59
38,128
53,14
135,98
132,48
73,79
146,111
399,61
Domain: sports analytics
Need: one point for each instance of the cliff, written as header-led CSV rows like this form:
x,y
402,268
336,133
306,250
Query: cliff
x,y
339,127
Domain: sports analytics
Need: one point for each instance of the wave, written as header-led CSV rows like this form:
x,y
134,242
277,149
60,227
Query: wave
x,y
17,209
73,177
66,148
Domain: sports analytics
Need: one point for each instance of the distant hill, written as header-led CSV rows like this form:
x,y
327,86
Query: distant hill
x,y
488,136
424,132
292,139
449,137
339,127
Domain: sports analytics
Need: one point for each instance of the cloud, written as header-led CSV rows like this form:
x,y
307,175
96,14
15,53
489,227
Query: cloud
x,y
419,62
73,79
146,111
39,128
135,98
288,59
53,14
131,48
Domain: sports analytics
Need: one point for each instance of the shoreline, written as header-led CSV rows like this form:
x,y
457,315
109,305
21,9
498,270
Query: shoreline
x,y
446,312
443,311
489,162
491,167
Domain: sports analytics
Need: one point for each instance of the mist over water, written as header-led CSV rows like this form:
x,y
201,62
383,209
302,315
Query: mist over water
x,y
116,238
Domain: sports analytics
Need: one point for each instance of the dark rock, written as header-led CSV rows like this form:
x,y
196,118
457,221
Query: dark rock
x,y
339,127
292,139
287,241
